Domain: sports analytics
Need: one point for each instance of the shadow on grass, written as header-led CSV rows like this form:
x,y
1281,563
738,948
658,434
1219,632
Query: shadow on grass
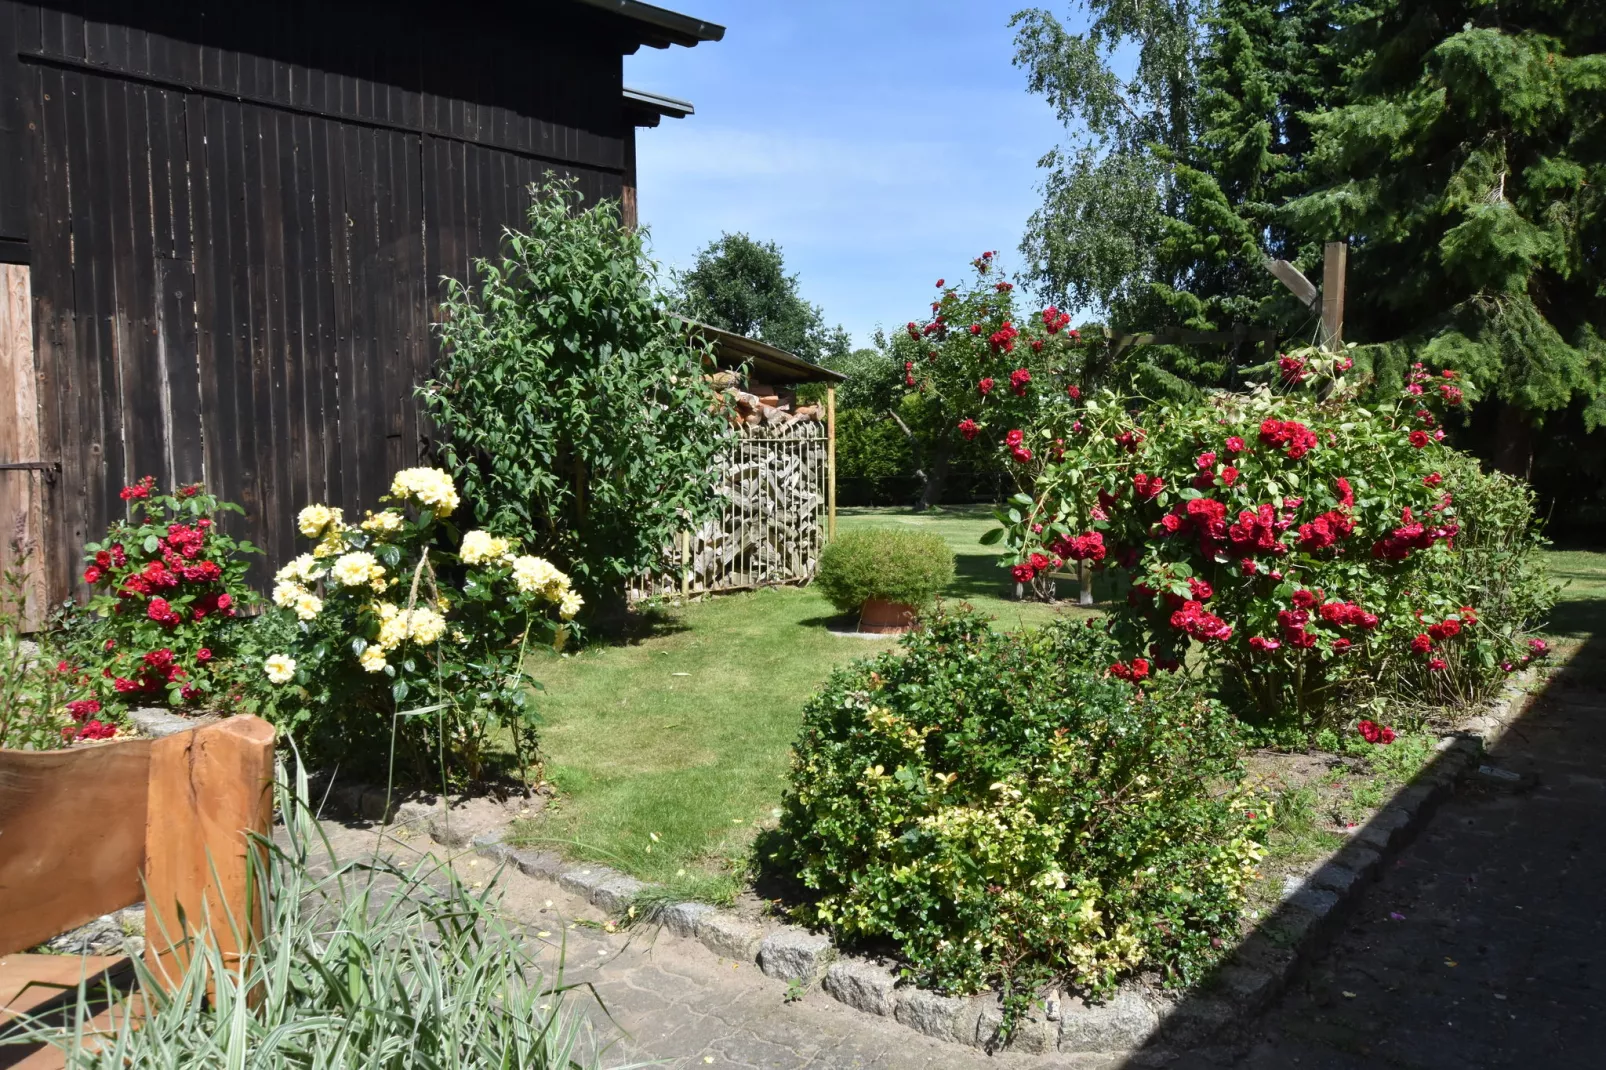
x,y
639,624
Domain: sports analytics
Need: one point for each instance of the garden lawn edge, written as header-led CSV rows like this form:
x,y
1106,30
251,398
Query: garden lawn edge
x,y
1134,1019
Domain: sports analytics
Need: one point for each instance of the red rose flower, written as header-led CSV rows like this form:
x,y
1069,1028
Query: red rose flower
x,y
1418,438
985,387
1014,438
1369,731
1147,487
1022,573
1235,445
1074,392
1385,736
968,428
1422,644
1205,460
1019,379
92,574
203,654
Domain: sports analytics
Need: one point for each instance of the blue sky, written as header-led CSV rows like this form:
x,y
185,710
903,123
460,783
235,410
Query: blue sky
x,y
882,143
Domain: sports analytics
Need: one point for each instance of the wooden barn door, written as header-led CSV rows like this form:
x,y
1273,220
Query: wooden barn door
x,y
114,299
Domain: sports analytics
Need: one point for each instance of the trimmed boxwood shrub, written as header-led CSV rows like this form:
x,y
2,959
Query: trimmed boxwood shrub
x,y
1007,811
899,566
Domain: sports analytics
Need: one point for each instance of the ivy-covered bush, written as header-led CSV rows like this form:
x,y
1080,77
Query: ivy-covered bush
x,y
407,637
571,405
1303,539
164,625
908,567
1007,811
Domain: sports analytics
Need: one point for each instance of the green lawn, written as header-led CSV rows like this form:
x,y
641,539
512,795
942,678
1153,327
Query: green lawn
x,y
671,751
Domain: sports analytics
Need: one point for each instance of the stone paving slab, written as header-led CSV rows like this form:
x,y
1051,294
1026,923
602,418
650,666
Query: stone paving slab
x,y
1483,944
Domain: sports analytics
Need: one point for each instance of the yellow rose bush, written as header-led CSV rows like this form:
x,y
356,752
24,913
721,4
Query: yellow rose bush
x,y
397,629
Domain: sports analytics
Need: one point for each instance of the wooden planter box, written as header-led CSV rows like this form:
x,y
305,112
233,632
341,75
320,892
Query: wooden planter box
x,y
90,830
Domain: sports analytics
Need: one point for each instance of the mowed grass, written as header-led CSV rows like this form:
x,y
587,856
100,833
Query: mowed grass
x,y
669,753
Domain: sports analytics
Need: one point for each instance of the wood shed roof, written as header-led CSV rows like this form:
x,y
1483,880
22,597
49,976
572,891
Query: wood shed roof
x,y
769,364
658,26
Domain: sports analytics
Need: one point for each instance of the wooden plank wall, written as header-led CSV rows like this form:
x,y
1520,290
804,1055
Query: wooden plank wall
x,y
240,215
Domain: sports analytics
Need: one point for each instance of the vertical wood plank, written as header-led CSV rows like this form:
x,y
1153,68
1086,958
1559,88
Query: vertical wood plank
x,y
830,462
210,790
1335,266
21,493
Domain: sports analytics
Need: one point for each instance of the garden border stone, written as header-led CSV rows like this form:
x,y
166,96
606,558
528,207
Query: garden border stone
x,y
1133,1023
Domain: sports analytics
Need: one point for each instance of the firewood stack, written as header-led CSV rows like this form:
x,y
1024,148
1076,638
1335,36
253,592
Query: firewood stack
x,y
759,405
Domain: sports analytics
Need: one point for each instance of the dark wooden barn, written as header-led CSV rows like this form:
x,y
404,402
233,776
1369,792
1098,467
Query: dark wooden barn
x,y
223,227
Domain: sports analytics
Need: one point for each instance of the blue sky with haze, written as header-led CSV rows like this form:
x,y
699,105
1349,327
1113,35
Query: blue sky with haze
x,y
882,143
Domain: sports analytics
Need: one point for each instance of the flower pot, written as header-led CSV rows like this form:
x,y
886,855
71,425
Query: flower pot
x,y
888,618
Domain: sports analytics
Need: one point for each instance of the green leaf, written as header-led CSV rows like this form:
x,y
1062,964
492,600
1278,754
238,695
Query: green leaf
x,y
991,536
151,544
399,690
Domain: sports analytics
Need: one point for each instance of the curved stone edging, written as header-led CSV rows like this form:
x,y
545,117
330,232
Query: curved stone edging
x,y
1130,1020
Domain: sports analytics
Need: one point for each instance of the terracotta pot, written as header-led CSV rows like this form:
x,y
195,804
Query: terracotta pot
x,y
887,618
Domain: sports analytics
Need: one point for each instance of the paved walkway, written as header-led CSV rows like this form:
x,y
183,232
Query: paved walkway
x,y
669,1001
1484,945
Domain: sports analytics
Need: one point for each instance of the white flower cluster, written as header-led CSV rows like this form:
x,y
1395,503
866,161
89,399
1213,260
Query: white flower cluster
x,y
427,486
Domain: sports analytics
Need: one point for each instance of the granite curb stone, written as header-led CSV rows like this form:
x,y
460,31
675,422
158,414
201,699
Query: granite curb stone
x,y
793,954
1087,1034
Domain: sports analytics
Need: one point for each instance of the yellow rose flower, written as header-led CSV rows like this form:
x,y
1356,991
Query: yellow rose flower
x,y
372,659
287,593
280,669
481,547
304,569
387,521
308,606
356,569
427,486
313,519
569,604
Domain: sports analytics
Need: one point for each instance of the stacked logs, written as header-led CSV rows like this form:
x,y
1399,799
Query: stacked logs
x,y
760,406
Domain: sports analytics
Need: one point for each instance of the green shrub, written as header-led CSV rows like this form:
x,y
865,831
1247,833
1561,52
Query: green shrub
x,y
1499,568
899,566
571,406
1007,811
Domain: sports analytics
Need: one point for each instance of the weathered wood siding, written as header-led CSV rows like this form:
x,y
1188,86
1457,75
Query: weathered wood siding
x,y
237,217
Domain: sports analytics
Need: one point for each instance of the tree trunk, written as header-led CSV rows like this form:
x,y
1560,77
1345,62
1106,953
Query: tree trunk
x,y
936,479
1513,450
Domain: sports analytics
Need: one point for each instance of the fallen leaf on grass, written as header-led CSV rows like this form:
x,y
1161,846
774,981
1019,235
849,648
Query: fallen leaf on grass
x,y
1451,962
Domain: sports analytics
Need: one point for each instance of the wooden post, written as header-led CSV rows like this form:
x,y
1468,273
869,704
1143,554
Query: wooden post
x,y
1335,262
209,790
21,491
685,567
830,461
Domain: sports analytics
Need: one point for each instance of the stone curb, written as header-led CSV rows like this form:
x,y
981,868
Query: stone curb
x,y
1130,1021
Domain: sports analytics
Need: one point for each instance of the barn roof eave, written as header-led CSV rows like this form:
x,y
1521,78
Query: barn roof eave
x,y
659,26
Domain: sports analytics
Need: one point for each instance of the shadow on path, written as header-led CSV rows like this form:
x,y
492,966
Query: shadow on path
x,y
1484,942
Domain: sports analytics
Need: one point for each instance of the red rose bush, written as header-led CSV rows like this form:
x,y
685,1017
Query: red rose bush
x,y
1293,537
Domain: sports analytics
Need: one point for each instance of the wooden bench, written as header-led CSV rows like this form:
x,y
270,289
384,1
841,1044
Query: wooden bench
x,y
90,830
